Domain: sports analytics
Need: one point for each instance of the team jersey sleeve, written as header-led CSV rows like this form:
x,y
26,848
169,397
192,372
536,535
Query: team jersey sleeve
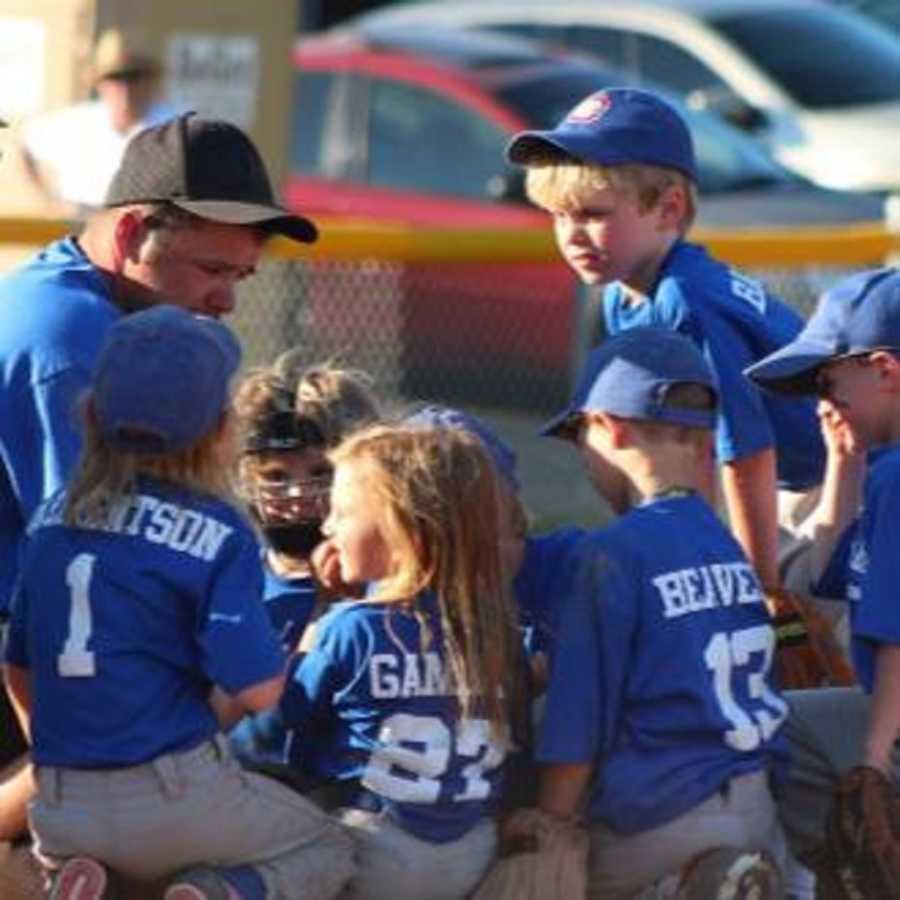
x,y
322,672
239,646
588,672
743,424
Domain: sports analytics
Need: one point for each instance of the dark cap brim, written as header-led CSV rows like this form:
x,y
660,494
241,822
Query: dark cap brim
x,y
562,426
273,219
791,370
525,147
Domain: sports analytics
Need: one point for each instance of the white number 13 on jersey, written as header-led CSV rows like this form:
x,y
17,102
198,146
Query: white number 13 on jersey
x,y
76,661
728,655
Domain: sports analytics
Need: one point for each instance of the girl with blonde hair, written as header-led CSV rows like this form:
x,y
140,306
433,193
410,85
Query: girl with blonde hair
x,y
140,591
406,697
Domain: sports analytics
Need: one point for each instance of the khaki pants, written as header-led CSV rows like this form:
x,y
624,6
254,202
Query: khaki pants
x,y
395,865
741,815
185,809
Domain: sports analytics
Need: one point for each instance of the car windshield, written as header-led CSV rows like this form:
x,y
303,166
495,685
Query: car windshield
x,y
822,57
726,160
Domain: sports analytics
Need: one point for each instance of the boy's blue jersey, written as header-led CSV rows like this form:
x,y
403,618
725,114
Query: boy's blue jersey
x,y
370,702
735,322
543,582
869,553
665,685
289,602
125,626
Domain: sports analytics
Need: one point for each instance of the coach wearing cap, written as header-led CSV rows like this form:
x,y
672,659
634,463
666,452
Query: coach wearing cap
x,y
186,217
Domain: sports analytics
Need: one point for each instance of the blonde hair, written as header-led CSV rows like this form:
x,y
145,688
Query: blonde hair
x,y
440,503
555,185
106,476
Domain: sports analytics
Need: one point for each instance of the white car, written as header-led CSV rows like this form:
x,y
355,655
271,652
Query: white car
x,y
819,84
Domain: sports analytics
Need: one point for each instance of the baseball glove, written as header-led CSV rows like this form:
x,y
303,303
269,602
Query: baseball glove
x,y
540,858
860,859
807,654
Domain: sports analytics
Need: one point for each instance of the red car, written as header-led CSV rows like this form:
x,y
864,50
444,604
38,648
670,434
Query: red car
x,y
411,128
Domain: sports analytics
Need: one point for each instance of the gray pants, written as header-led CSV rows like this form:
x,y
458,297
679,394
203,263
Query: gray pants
x,y
395,865
825,730
184,809
742,815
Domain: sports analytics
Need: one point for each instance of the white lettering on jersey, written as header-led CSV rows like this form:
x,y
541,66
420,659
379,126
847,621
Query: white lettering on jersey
x,y
707,587
182,530
749,290
419,675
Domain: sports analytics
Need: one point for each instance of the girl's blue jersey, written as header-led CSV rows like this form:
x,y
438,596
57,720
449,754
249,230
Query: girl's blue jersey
x,y
372,702
665,685
126,625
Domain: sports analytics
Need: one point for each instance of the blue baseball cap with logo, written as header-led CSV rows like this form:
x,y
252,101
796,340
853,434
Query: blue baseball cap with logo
x,y
613,127
859,314
503,456
162,380
630,375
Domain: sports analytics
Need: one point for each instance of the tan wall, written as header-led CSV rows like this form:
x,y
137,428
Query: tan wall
x,y
232,58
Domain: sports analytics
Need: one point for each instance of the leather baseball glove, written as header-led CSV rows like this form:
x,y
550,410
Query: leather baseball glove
x,y
860,859
807,654
540,857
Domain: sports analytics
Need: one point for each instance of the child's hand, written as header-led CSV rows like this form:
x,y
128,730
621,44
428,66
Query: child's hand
x,y
840,440
326,570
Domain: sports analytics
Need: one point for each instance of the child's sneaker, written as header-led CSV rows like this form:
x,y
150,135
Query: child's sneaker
x,y
82,878
728,873
200,884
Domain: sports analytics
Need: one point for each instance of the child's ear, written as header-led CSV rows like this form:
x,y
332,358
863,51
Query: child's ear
x,y
672,206
888,368
619,431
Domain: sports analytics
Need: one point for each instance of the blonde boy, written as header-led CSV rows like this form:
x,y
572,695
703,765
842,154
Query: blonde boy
x,y
618,176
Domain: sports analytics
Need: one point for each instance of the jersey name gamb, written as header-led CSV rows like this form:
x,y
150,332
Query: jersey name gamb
x,y
702,588
180,529
407,675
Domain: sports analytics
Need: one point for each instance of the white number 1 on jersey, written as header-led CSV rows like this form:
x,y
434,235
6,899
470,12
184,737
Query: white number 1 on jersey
x,y
76,661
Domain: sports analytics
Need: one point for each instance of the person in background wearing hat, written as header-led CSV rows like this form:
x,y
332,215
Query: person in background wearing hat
x,y
848,355
662,718
619,178
140,589
186,216
71,154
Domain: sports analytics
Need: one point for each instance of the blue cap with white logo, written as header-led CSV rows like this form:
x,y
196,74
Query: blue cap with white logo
x,y
503,456
630,375
859,314
614,127
162,380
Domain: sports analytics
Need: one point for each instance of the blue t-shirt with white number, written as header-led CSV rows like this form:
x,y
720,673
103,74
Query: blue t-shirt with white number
x,y
665,684
372,702
126,624
735,322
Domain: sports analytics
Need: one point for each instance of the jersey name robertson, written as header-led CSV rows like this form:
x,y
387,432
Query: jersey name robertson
x,y
157,521
701,588
409,675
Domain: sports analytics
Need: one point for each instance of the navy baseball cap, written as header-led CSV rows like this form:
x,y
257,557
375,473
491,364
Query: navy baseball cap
x,y
631,374
502,454
162,380
859,314
614,127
